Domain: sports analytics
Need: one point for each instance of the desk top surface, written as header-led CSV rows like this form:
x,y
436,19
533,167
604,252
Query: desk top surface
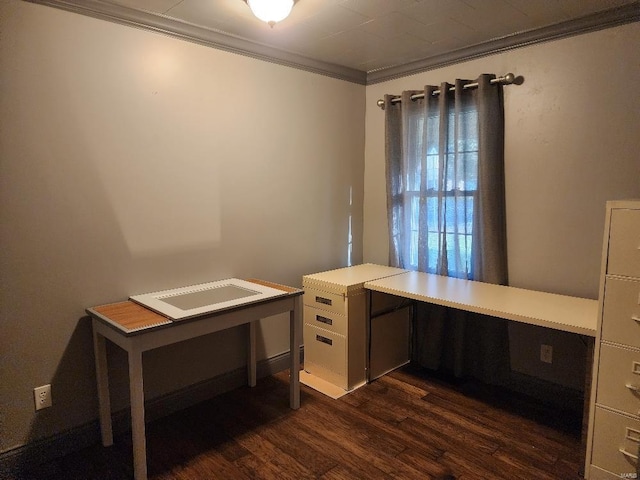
x,y
559,312
344,280
131,318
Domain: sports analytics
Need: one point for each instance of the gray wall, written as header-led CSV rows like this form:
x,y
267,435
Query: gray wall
x,y
571,144
132,162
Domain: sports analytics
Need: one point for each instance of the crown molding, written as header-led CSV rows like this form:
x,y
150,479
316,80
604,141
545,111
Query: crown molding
x,y
204,36
597,21
223,41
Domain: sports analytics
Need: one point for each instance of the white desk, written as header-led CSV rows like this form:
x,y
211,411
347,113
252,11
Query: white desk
x,y
559,312
162,334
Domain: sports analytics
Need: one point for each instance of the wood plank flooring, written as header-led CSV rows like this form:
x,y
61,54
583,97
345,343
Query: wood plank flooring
x,y
405,425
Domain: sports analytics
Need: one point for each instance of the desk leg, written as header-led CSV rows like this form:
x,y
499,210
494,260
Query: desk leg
x,y
590,342
295,327
251,354
367,336
102,379
136,388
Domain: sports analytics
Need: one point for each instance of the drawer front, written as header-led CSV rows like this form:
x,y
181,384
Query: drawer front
x,y
596,473
619,379
331,302
616,440
621,316
624,243
326,320
326,350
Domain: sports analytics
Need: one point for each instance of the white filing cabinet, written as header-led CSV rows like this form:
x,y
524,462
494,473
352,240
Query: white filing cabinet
x,y
335,325
614,420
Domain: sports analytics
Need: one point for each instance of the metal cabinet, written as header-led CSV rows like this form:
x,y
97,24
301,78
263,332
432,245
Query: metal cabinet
x,y
614,422
336,315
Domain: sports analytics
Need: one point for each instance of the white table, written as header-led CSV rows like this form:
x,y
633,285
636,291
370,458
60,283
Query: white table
x,y
559,312
165,333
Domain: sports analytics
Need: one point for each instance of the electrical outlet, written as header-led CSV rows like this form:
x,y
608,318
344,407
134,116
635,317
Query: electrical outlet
x,y
546,353
42,397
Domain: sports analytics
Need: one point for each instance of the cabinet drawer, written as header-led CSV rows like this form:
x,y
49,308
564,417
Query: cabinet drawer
x,y
324,350
624,243
596,473
326,320
332,302
619,376
621,315
616,438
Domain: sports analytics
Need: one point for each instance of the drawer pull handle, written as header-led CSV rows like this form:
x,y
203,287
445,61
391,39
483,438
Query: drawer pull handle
x,y
325,301
322,339
627,454
635,318
322,319
632,387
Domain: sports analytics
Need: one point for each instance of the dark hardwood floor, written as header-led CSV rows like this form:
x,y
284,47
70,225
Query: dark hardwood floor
x,y
405,425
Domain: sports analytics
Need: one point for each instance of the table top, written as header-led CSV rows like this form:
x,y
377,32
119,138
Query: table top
x,y
347,279
130,318
559,312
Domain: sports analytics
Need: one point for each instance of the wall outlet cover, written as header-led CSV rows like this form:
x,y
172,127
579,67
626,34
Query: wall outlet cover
x,y
42,396
546,353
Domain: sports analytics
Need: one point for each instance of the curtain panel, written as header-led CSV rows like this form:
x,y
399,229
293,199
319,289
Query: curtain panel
x,y
446,213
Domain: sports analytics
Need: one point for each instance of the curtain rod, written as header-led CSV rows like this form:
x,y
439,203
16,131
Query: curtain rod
x,y
507,79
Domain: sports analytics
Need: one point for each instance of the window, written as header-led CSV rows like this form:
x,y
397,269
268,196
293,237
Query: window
x,y
440,188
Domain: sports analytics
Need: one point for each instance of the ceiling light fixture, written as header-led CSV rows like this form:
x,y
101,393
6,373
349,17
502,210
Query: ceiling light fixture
x,y
271,11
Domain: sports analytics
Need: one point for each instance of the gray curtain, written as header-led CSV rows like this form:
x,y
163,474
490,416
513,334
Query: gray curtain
x,y
446,213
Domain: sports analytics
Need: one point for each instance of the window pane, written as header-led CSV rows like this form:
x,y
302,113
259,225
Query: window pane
x,y
468,171
432,256
432,214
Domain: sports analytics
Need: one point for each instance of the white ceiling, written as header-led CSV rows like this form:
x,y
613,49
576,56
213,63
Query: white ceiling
x,y
367,39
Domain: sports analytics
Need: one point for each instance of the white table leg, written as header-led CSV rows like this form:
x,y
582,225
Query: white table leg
x,y
102,379
136,388
251,354
295,327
